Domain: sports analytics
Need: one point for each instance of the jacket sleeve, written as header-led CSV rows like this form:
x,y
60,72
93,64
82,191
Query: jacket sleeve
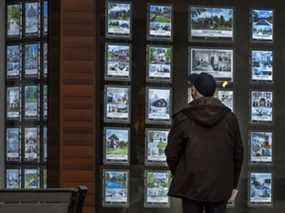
x,y
175,143
238,152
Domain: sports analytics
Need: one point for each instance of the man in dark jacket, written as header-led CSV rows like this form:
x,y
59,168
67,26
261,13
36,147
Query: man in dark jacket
x,y
204,151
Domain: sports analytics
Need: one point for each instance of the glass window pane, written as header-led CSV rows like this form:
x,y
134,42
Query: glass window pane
x,y
32,19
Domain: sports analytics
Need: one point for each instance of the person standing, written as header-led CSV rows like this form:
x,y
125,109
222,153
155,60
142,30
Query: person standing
x,y
204,151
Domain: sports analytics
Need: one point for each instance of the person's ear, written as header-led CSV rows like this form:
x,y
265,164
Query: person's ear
x,y
193,92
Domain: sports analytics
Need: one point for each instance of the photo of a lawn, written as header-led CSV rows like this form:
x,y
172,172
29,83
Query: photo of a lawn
x,y
160,21
157,183
116,145
119,19
14,20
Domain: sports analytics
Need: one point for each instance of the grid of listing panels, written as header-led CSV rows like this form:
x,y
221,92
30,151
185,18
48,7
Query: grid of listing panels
x,y
206,25
260,138
158,110
26,94
212,25
117,103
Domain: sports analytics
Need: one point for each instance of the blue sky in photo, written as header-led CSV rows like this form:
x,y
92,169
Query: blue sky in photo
x,y
45,8
210,12
262,54
117,47
160,175
111,183
153,8
119,7
120,133
261,177
264,13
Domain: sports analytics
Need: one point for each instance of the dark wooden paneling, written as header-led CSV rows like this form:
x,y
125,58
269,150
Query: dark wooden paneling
x,y
77,104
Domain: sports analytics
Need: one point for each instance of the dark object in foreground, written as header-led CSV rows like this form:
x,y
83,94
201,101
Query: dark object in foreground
x,y
59,200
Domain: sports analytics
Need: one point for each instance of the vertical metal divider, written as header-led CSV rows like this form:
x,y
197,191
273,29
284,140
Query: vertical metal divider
x,y
41,87
22,92
2,92
241,87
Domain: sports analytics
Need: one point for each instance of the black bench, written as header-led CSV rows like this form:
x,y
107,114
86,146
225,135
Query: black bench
x,y
65,200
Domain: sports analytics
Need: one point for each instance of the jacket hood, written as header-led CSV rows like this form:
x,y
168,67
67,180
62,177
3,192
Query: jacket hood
x,y
206,111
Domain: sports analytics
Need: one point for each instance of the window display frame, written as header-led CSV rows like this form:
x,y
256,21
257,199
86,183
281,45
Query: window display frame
x,y
44,106
43,146
21,27
18,76
118,120
160,38
19,144
39,60
116,162
19,176
158,121
39,18
259,163
39,144
260,205
118,36
158,79
38,176
262,82
39,110
260,41
114,204
211,39
261,123
153,163
19,117
118,78
155,205
219,80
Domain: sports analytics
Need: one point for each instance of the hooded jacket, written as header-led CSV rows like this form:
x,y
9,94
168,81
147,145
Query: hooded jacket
x,y
204,152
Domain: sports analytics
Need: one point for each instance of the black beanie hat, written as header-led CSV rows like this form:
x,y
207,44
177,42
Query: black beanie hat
x,y
204,83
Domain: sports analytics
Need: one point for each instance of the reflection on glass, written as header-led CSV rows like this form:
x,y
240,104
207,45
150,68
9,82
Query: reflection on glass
x,y
14,61
31,101
14,19
32,19
32,178
32,143
13,144
13,178
13,102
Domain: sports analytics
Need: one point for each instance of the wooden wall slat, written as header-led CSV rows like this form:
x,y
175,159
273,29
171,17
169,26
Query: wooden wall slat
x,y
77,105
78,151
77,115
75,5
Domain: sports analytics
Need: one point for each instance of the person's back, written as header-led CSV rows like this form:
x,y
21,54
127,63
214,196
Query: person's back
x,y
204,154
